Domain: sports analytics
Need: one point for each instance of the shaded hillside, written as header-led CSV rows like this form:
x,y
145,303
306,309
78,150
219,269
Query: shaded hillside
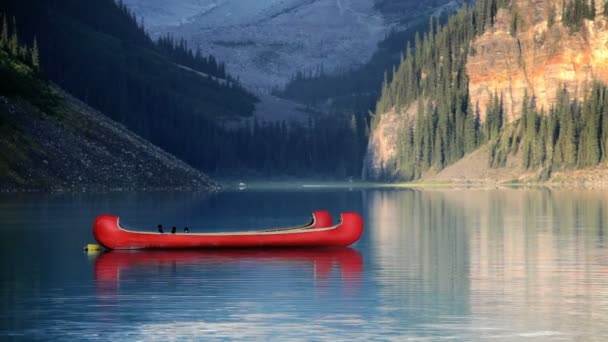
x,y
51,141
98,52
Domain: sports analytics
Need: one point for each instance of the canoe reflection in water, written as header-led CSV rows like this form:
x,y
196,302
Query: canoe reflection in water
x,y
117,268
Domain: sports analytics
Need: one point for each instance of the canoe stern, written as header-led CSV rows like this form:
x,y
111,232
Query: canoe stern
x,y
106,231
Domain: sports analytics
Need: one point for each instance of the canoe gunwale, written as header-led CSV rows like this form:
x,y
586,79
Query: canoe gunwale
x,y
295,229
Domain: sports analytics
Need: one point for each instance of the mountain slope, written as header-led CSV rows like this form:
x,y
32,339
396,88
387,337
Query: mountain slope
x,y
265,42
521,79
537,56
99,53
51,141
358,88
83,150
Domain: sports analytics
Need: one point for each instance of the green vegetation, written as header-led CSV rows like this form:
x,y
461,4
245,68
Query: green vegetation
x,y
98,52
433,78
575,11
572,134
552,15
20,69
19,80
325,146
179,52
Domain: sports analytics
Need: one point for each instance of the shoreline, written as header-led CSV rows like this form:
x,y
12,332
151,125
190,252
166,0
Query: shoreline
x,y
311,185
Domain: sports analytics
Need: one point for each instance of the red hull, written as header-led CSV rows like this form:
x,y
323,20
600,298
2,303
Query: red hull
x,y
109,234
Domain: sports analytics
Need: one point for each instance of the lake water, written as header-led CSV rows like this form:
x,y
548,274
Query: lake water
x,y
470,265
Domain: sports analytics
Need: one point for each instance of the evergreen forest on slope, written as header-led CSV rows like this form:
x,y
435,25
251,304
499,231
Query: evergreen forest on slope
x,y
181,100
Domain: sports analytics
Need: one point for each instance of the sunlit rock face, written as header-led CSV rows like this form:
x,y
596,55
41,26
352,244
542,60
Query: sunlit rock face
x,y
535,58
538,58
265,42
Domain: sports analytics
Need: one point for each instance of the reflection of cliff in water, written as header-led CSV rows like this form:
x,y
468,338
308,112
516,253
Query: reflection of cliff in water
x,y
508,257
549,246
422,241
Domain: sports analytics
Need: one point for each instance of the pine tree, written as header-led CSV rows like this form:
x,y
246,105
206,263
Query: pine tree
x,y
552,15
23,53
35,55
513,27
5,33
14,43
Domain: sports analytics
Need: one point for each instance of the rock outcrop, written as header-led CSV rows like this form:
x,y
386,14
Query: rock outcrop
x,y
536,57
380,159
523,52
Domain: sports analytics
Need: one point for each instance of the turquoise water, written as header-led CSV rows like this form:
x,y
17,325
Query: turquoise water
x,y
468,265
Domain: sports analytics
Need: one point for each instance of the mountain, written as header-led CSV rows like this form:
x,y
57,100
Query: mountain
x,y
161,90
540,57
265,42
504,90
357,88
54,142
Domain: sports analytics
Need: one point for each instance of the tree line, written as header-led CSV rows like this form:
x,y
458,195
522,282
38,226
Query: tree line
x,y
98,52
322,146
9,42
354,90
181,53
571,134
20,68
575,11
432,79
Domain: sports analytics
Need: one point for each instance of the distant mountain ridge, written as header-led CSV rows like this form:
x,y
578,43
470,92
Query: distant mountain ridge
x,y
266,42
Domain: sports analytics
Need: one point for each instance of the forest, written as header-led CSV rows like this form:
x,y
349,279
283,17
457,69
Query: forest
x,y
100,53
355,90
432,77
572,134
187,103
432,80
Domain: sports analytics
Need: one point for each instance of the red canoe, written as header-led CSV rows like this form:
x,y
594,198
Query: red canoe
x,y
319,233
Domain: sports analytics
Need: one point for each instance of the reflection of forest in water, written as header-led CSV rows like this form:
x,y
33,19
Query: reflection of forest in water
x,y
509,256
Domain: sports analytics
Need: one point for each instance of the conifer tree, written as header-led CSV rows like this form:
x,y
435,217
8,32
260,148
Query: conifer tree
x,y
14,43
551,19
5,33
35,55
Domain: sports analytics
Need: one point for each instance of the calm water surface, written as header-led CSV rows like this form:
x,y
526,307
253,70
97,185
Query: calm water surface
x,y
468,265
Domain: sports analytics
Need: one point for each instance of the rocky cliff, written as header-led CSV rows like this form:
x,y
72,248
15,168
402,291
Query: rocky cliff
x,y
523,51
530,48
